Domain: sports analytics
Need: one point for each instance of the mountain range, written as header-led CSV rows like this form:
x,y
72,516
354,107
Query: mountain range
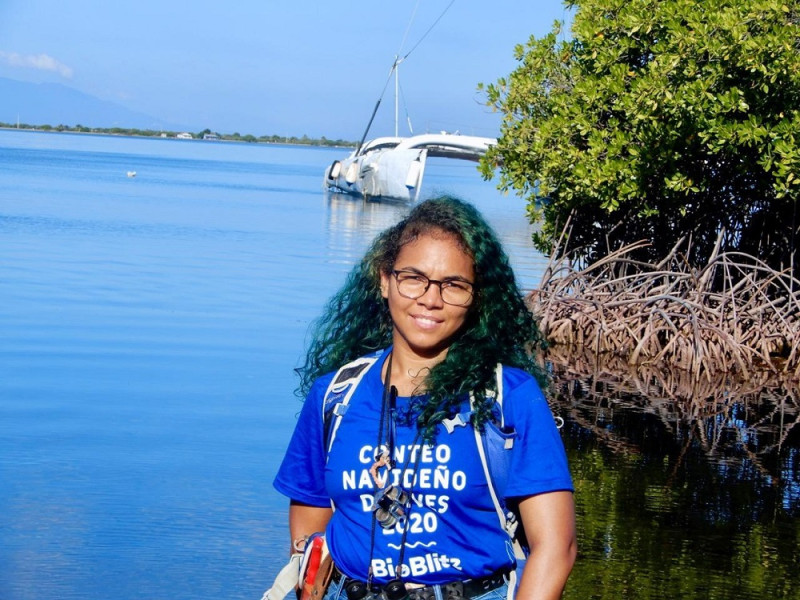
x,y
56,104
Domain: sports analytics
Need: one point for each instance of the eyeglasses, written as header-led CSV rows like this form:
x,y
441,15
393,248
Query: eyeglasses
x,y
412,285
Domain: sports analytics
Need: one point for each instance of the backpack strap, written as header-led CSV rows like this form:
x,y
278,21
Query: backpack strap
x,y
340,390
494,449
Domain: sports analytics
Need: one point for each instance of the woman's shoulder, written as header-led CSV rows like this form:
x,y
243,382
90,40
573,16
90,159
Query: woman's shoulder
x,y
523,400
345,372
521,388
513,377
322,382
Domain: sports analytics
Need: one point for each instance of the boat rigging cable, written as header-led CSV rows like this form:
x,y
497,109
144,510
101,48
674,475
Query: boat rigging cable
x,y
397,60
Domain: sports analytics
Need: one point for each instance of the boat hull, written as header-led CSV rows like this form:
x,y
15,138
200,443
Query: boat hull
x,y
394,167
395,174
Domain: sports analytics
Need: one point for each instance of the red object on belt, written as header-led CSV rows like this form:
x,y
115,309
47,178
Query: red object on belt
x,y
314,558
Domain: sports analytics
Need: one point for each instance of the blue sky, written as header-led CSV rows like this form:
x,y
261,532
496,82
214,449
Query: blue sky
x,y
297,67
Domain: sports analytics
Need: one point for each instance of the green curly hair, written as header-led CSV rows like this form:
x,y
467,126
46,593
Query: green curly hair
x,y
499,326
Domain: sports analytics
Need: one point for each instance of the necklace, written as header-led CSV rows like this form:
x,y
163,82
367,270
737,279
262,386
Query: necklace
x,y
384,448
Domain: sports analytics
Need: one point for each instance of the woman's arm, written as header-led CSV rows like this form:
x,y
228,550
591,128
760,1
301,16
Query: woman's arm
x,y
549,521
305,519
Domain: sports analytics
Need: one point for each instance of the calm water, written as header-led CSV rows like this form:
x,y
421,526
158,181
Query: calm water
x,y
149,328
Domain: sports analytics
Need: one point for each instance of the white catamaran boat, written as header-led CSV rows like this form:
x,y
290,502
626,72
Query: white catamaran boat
x,y
392,167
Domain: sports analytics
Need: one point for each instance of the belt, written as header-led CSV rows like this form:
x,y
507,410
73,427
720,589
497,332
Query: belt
x,y
454,590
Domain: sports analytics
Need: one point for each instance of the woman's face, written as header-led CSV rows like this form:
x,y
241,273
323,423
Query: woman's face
x,y
426,326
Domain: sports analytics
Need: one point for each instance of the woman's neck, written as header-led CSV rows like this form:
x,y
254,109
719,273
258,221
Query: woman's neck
x,y
409,371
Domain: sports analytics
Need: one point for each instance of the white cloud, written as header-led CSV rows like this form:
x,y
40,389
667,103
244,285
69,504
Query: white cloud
x,y
43,62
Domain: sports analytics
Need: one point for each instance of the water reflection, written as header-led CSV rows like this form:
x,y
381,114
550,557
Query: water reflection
x,y
353,222
685,488
749,426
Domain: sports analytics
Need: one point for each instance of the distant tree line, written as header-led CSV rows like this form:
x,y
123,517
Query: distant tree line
x,y
205,134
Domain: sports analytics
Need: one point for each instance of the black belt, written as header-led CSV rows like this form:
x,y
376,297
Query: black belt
x,y
454,590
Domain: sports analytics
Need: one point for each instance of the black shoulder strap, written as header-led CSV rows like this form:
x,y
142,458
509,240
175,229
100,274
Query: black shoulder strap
x,y
339,392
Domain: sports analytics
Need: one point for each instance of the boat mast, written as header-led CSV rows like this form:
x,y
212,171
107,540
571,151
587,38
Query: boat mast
x,y
397,61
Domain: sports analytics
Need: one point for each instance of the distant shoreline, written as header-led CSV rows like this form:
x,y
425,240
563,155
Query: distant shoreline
x,y
202,136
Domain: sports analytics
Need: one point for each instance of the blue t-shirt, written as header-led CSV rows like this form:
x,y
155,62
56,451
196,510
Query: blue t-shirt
x,y
453,528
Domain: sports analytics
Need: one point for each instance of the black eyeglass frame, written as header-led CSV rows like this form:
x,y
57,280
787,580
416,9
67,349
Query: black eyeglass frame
x,y
438,282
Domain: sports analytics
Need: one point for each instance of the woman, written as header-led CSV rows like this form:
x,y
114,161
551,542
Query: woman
x,y
398,483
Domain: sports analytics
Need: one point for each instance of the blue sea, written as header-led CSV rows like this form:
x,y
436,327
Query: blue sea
x,y
149,331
